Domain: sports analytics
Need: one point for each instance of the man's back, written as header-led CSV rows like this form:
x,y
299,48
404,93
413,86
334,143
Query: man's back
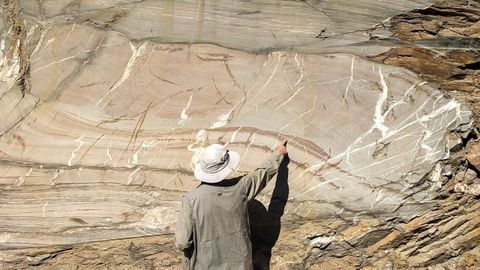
x,y
212,226
221,225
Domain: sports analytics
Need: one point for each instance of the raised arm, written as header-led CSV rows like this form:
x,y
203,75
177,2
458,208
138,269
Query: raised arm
x,y
255,181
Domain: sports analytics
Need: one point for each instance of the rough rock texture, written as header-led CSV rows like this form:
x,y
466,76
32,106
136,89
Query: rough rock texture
x,y
103,103
441,44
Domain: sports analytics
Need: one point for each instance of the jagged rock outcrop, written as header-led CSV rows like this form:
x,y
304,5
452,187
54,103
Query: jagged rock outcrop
x,y
104,103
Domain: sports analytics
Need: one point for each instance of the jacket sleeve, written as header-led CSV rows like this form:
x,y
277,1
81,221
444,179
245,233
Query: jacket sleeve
x,y
255,181
184,227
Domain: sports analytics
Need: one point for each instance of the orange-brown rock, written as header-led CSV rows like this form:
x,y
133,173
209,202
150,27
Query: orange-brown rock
x,y
435,42
473,153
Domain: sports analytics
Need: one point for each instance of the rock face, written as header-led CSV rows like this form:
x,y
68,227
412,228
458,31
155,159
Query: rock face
x,y
103,104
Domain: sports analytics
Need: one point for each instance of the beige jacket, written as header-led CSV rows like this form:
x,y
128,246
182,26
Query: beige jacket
x,y
212,226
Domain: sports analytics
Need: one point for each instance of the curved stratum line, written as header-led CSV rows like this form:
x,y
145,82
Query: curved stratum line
x,y
88,126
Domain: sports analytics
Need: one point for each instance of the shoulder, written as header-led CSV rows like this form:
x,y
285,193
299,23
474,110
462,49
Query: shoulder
x,y
192,194
205,188
197,192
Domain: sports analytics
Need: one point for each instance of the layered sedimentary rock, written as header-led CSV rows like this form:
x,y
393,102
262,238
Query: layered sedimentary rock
x,y
103,105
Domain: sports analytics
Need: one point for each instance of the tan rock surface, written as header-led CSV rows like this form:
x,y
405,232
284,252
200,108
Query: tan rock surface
x,y
104,103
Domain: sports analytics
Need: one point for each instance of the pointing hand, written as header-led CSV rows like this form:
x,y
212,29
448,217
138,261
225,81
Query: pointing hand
x,y
282,148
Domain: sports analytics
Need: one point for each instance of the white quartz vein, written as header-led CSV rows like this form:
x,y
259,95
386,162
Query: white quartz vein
x,y
56,175
350,81
69,33
54,63
379,124
302,114
428,155
4,237
137,52
133,161
169,180
74,152
300,67
90,38
278,57
196,147
12,71
44,208
109,154
21,179
39,43
221,120
134,175
232,137
234,134
252,139
183,114
289,99
379,118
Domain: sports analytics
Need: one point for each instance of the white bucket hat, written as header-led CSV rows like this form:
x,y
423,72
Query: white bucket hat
x,y
215,163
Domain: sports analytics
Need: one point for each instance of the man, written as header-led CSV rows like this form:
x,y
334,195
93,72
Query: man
x,y
212,226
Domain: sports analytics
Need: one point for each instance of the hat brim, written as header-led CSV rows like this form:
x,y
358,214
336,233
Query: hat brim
x,y
206,177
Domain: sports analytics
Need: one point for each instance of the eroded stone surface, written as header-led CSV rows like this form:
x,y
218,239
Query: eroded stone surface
x,y
441,44
104,106
314,26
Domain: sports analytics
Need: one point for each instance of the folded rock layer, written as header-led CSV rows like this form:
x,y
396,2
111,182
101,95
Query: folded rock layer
x,y
104,104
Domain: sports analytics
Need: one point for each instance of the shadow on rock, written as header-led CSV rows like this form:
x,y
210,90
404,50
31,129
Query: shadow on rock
x,y
265,224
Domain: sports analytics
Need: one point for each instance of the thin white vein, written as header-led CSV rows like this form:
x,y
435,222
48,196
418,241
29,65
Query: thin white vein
x,y
232,137
407,94
14,65
377,198
289,99
379,118
136,53
74,152
169,180
200,139
350,81
302,114
427,156
452,104
39,44
278,56
21,179
44,208
423,143
69,33
221,120
134,175
252,139
234,134
90,38
50,41
109,154
56,175
183,114
302,72
54,63
350,149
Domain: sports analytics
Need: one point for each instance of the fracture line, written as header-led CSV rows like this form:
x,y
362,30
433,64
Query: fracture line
x,y
74,152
